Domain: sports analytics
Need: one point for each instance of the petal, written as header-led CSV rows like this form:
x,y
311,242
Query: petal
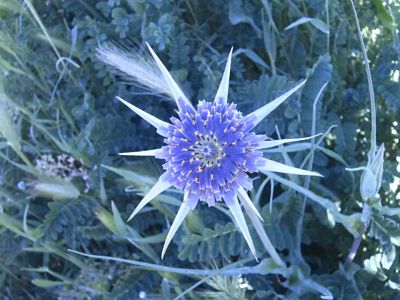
x,y
270,144
157,189
222,93
273,166
257,116
152,152
237,213
245,198
157,123
173,86
180,216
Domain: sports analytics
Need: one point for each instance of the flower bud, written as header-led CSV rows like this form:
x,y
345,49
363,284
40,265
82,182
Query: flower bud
x,y
371,179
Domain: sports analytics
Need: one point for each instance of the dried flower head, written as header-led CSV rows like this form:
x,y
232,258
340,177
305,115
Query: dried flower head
x,y
209,149
62,166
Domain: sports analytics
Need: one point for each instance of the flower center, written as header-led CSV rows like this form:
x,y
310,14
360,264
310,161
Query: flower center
x,y
207,150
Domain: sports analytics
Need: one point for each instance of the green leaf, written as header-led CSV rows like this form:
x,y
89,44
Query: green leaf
x,y
383,15
317,23
119,223
44,283
132,176
387,231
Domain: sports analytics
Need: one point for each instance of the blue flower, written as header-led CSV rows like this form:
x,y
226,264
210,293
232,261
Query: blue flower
x,y
210,150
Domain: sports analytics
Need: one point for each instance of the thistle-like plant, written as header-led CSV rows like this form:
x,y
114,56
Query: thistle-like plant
x,y
210,149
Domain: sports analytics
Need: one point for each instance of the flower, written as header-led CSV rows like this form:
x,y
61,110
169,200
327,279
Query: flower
x,y
371,178
210,150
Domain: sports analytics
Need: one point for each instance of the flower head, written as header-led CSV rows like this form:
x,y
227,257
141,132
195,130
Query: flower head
x,y
209,150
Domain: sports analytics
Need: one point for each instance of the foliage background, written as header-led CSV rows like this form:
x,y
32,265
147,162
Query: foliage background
x,y
59,99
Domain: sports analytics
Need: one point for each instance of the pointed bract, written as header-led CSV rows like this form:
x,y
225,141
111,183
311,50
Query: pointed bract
x,y
175,89
257,116
157,189
245,198
273,166
152,152
209,153
222,93
157,123
180,217
241,223
270,144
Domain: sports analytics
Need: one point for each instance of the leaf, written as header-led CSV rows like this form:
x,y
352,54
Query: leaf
x,y
160,186
222,240
223,89
119,223
387,231
253,56
140,180
383,15
237,15
390,92
258,115
64,217
44,283
321,26
179,218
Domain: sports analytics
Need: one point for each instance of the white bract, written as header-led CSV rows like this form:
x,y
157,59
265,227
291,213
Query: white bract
x,y
210,150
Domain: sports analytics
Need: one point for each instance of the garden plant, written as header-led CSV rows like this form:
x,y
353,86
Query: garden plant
x,y
191,149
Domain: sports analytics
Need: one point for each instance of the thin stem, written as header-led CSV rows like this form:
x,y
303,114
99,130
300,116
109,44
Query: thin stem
x,y
189,5
309,167
369,78
327,23
268,9
256,269
357,241
24,158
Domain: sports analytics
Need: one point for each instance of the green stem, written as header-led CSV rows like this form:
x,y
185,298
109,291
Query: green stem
x,y
262,268
369,78
307,181
327,23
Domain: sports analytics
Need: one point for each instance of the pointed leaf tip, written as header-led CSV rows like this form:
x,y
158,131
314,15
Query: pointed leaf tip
x,y
274,143
245,198
180,217
152,152
175,90
241,223
258,115
223,89
157,123
273,166
157,189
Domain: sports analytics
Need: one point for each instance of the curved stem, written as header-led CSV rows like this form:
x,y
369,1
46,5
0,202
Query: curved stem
x,y
369,78
261,268
357,241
